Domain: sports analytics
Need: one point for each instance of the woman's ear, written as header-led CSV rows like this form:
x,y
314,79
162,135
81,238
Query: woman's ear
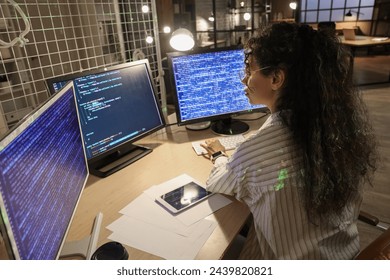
x,y
278,79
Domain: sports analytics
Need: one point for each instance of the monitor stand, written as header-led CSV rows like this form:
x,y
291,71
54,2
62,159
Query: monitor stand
x,y
118,160
229,126
84,247
198,126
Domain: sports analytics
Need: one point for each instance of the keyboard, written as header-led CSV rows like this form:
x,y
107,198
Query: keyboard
x,y
229,142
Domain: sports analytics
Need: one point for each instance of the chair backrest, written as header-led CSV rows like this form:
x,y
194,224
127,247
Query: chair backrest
x,y
379,249
329,26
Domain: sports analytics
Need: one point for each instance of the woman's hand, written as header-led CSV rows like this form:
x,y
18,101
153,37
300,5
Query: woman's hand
x,y
212,146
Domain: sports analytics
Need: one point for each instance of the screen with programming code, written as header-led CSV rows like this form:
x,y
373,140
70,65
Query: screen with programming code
x,y
43,171
116,106
208,85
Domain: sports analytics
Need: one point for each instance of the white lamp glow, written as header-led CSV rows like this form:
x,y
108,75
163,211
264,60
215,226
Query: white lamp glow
x,y
167,29
149,39
182,40
293,5
145,9
247,16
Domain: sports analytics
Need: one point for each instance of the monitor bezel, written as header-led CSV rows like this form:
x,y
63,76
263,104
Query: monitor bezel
x,y
182,122
124,146
24,123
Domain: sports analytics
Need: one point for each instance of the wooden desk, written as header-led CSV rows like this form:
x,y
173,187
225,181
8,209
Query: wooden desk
x,y
211,44
364,42
172,156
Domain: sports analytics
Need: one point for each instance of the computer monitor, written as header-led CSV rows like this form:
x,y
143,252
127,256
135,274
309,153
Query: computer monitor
x,y
43,171
117,106
207,87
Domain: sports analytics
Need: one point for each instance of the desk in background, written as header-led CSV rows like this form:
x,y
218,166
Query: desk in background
x,y
365,42
172,156
211,44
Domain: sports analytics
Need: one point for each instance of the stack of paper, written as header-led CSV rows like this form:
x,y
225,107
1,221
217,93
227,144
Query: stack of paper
x,y
379,39
147,226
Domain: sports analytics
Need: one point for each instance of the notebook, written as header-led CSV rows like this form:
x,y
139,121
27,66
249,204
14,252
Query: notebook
x,y
349,34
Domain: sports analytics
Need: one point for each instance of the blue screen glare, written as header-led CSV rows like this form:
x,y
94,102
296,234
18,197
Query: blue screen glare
x,y
43,171
208,85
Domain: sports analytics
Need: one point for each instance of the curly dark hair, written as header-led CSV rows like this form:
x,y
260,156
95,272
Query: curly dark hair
x,y
323,109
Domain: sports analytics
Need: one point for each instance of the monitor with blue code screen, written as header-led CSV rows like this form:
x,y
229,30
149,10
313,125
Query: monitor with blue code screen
x,y
43,170
117,106
207,87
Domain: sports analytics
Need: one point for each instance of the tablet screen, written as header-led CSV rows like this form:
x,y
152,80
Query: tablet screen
x,y
185,196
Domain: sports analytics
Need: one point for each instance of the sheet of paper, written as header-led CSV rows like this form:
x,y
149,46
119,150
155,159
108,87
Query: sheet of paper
x,y
147,226
192,250
379,39
170,185
157,241
146,209
198,211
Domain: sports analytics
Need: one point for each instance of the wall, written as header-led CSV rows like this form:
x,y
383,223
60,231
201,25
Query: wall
x,y
68,36
281,7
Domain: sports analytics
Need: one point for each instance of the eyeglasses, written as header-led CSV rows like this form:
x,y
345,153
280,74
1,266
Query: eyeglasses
x,y
243,73
247,53
262,68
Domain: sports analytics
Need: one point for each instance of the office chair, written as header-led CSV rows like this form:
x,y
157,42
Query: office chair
x,y
379,249
329,26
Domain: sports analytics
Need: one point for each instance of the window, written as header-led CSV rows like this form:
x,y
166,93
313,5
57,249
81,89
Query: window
x,y
313,11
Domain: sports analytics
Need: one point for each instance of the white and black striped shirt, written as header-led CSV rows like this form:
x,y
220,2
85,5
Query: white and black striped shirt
x,y
262,173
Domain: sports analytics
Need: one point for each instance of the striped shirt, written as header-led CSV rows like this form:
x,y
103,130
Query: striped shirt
x,y
261,173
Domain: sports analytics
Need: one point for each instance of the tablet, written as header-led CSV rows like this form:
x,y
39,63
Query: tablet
x,y
183,197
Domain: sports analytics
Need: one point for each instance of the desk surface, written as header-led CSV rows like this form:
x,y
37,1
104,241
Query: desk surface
x,y
172,156
364,41
211,43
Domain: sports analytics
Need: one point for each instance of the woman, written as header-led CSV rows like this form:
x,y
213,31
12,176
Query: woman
x,y
302,173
